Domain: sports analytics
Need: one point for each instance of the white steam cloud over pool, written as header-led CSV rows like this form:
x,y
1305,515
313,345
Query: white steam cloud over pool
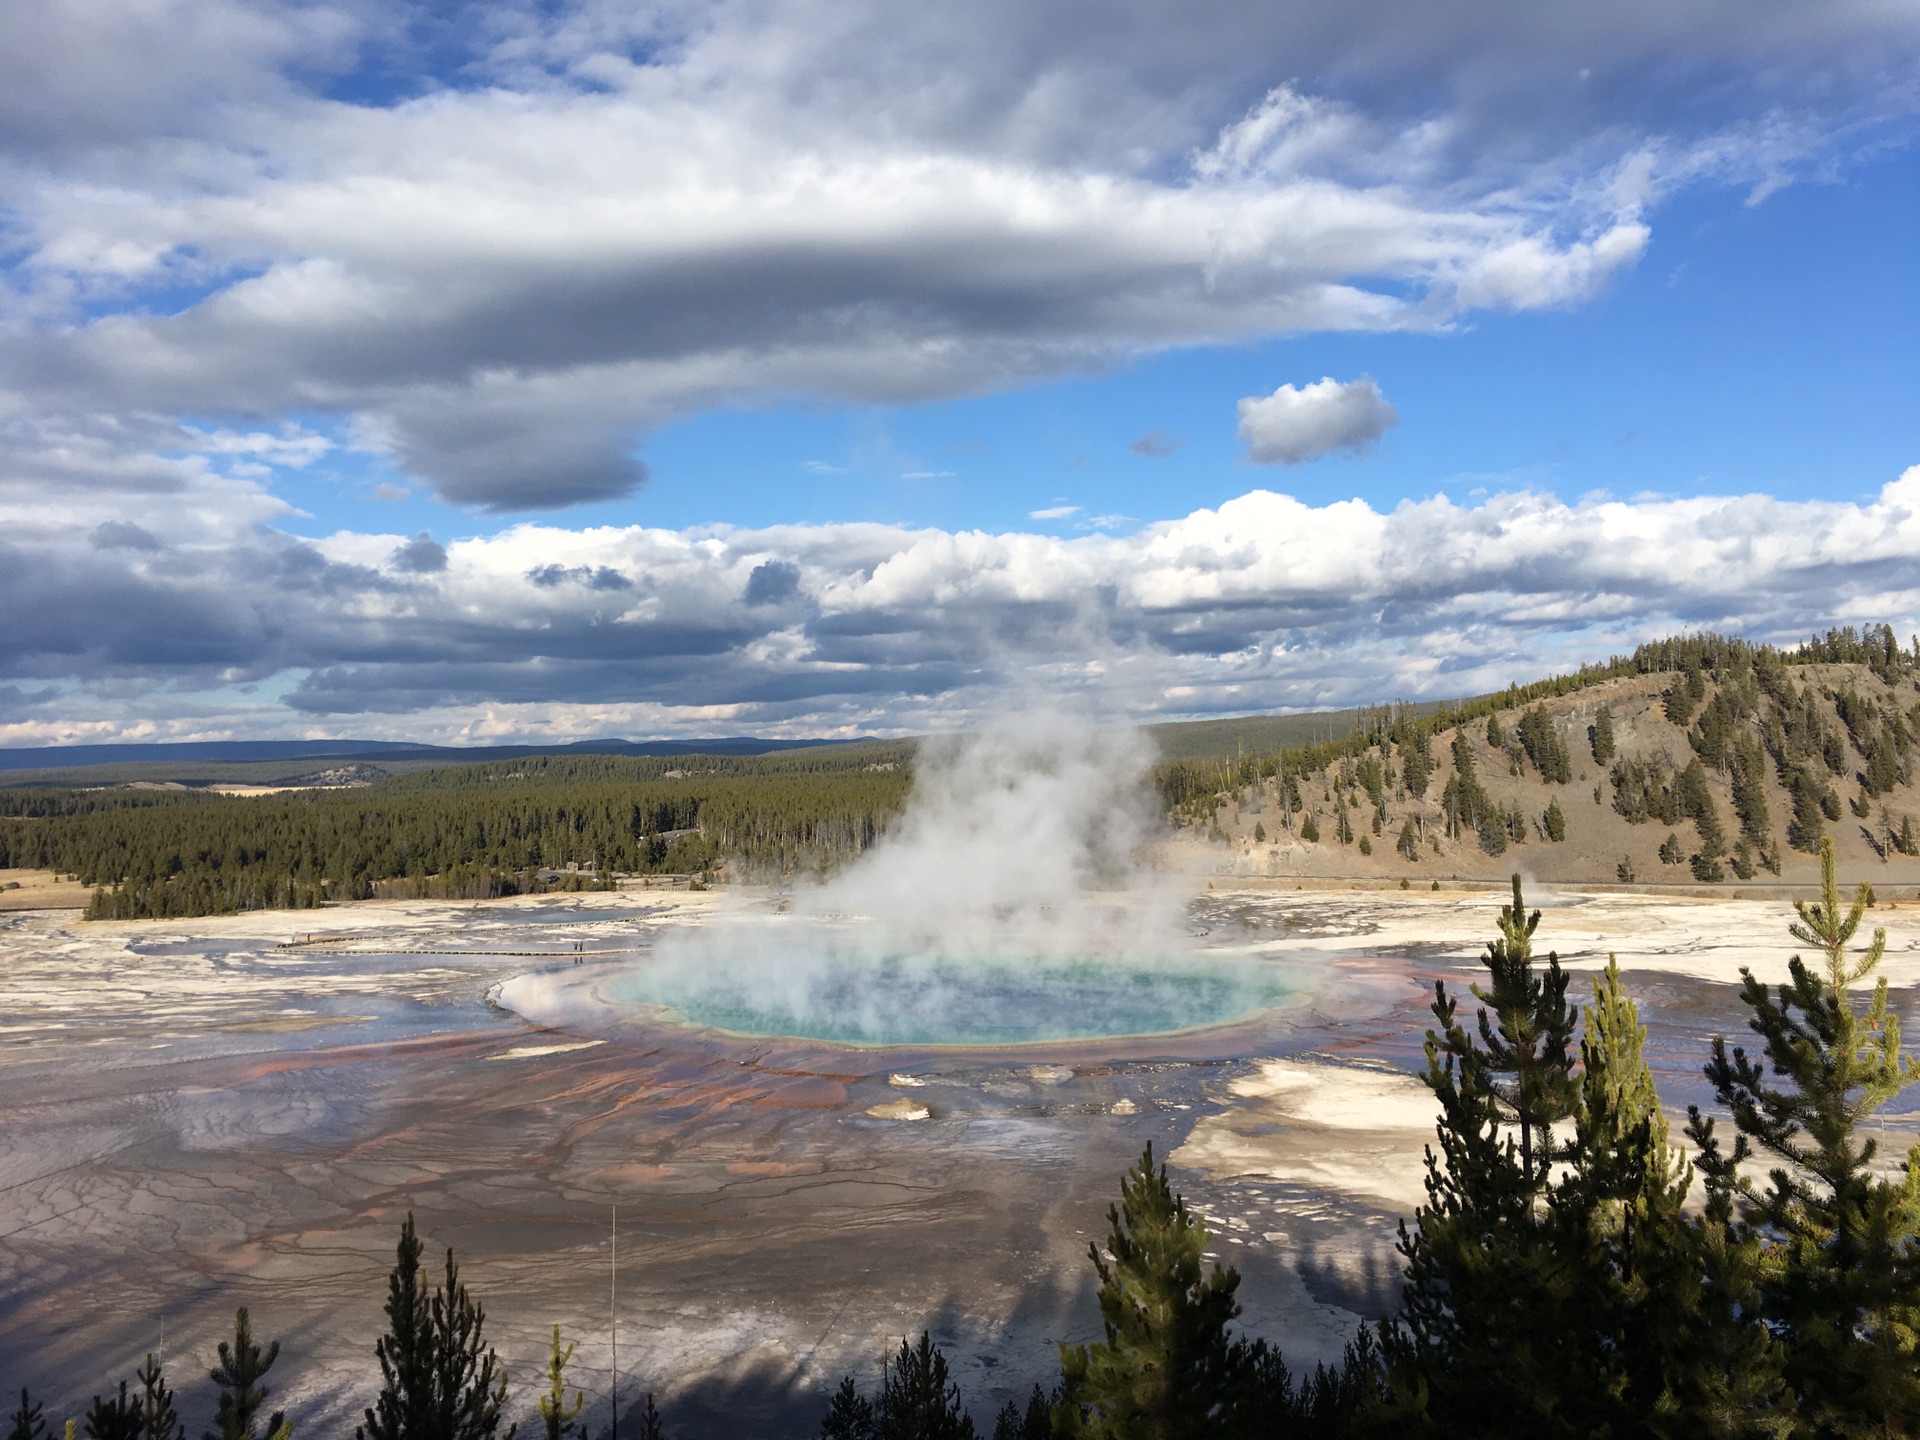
x,y
1012,902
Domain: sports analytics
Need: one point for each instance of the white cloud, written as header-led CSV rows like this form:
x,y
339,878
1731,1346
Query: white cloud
x,y
1304,422
295,447
1054,512
604,216
186,612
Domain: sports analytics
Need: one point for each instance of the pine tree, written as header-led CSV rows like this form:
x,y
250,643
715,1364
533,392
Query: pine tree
x,y
648,1425
27,1421
1600,735
1466,802
1480,1347
917,1399
1542,743
1620,1207
1530,1039
1727,1363
239,1378
849,1414
1168,1367
157,1418
1310,829
1337,1401
1747,763
1842,1282
557,1417
1409,842
1554,824
1806,829
469,1382
1035,1422
440,1381
113,1417
404,1409
1683,694
1416,762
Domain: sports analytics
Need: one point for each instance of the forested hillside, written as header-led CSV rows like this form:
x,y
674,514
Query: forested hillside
x,y
468,832
1700,760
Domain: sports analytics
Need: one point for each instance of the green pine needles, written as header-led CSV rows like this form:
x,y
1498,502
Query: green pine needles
x,y
440,1381
240,1379
558,1418
1840,1285
918,1401
1484,1264
1557,1283
28,1420
1167,1367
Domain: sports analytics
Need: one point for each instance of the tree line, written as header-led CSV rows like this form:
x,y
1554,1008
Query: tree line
x,y
469,832
1557,1283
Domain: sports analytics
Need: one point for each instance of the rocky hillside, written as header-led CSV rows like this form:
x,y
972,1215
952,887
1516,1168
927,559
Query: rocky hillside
x,y
1722,772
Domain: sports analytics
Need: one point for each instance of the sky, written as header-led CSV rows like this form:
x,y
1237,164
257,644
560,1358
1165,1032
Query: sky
x,y
485,372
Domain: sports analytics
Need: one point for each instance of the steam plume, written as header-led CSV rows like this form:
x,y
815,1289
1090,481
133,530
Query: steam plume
x,y
1020,855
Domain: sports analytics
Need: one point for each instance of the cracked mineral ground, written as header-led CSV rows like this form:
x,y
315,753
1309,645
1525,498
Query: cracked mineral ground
x,y
240,1111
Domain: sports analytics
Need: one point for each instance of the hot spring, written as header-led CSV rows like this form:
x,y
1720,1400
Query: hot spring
x,y
945,1000
1015,901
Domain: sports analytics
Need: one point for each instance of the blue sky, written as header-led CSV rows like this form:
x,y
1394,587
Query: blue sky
x,y
1764,347
623,306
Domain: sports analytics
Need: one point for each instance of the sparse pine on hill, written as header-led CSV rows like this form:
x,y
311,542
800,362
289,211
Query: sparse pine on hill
x,y
1696,761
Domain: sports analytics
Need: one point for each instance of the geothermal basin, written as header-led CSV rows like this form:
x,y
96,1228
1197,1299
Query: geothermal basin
x,y
980,1001
240,1110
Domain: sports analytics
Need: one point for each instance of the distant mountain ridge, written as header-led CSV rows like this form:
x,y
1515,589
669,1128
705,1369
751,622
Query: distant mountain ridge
x,y
230,752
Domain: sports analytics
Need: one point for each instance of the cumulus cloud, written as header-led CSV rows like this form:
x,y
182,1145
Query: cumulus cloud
x,y
1263,602
594,218
774,583
594,577
122,535
1304,422
422,555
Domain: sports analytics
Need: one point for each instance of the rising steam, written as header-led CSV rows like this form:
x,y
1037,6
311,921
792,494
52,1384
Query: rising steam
x,y
1028,837
1019,867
